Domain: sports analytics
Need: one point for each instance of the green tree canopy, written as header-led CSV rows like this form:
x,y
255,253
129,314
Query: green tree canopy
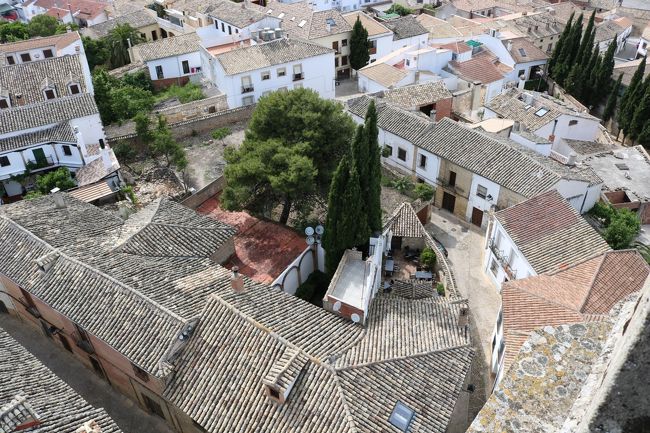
x,y
118,41
559,46
127,101
42,25
399,9
641,115
612,100
374,170
164,146
13,31
96,50
622,230
60,178
359,46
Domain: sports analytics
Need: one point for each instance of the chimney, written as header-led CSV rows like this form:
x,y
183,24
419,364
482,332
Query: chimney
x,y
89,427
571,160
59,202
328,26
106,158
236,281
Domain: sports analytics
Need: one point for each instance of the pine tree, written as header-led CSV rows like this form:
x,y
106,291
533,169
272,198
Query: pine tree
x,y
559,46
359,46
374,169
629,98
641,113
603,82
587,42
610,107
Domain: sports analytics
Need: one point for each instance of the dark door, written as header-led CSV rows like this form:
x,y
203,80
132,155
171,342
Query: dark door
x,y
448,202
153,406
3,308
39,156
477,217
452,178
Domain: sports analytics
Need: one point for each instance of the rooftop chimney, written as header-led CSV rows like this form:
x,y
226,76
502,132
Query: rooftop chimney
x,y
59,202
89,427
236,281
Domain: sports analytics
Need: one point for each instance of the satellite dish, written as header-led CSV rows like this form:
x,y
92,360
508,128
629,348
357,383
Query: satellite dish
x,y
310,240
355,317
319,230
337,306
309,231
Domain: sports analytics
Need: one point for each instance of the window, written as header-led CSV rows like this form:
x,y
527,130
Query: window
x,y
4,103
223,27
344,61
49,94
372,47
541,112
494,266
521,73
159,72
11,60
229,30
186,67
4,161
452,178
247,100
401,416
573,122
481,191
102,145
140,373
401,154
423,161
344,43
25,57
74,89
143,36
66,150
48,54
246,84
216,24
549,48
297,72
266,75
388,151
335,46
282,72
336,62
274,393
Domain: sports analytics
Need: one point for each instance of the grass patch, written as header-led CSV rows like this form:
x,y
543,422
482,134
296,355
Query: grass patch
x,y
187,93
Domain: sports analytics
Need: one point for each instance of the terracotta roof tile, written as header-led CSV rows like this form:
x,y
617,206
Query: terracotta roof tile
x,y
477,69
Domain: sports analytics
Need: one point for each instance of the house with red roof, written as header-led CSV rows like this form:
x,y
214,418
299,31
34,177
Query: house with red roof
x,y
84,13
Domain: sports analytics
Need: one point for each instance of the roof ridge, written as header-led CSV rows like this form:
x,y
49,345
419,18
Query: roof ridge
x,y
344,402
122,285
401,358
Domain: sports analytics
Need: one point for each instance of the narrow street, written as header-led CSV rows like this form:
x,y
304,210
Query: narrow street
x,y
126,413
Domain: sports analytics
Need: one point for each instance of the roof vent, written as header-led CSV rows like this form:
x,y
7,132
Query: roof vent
x,y
59,201
89,427
46,262
236,281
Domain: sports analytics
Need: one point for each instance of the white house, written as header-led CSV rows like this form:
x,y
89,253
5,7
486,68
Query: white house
x,y
246,73
81,12
49,119
32,50
544,116
542,234
174,60
407,31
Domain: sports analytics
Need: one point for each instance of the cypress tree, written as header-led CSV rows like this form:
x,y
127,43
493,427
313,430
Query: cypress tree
x,y
592,71
573,83
610,107
359,46
641,113
603,81
569,51
360,155
559,46
374,169
629,98
644,137
587,41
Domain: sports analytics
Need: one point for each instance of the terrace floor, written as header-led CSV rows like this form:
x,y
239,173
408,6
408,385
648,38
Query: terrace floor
x,y
263,249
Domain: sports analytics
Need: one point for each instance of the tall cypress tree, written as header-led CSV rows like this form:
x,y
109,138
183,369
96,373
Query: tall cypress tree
x,y
360,155
374,169
592,71
610,107
573,83
559,46
345,226
603,82
359,46
641,113
584,52
569,51
629,98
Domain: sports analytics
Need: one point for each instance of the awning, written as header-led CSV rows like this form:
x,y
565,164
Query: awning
x,y
92,192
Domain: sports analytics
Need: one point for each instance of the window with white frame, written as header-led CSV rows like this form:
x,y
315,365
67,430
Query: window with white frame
x,y
281,72
248,100
297,72
481,191
266,75
246,84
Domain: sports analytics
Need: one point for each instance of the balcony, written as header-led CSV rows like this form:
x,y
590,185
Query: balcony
x,y
247,89
503,260
298,77
449,187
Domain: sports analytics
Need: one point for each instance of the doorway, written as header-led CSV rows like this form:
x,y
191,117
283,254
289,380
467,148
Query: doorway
x,y
448,202
477,217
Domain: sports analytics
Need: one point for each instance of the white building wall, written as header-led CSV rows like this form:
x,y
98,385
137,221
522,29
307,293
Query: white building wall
x,y
173,66
574,191
90,131
396,142
493,89
28,154
483,204
384,45
430,172
318,75
419,41
16,165
543,149
507,249
71,161
584,129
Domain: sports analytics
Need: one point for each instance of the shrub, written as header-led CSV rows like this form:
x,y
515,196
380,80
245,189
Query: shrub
x,y
424,191
440,288
385,152
59,178
124,152
603,211
221,133
187,93
622,230
128,192
403,184
428,258
32,195
399,9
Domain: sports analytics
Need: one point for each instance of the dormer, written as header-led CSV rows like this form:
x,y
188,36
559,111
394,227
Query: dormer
x,y
5,100
48,89
74,87
283,375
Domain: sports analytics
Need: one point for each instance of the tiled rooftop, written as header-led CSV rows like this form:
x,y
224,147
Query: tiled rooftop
x,y
137,19
168,47
405,27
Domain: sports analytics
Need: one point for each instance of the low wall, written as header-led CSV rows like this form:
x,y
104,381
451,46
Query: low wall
x,y
300,269
200,125
202,195
193,110
168,82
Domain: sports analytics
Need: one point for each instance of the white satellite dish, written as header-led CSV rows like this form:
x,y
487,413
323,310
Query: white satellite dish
x,y
310,240
337,306
355,317
309,231
319,230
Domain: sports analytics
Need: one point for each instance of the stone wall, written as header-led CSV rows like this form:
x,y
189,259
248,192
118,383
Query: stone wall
x,y
195,109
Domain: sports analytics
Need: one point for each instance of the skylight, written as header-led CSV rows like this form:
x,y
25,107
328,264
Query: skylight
x,y
523,52
330,21
401,416
542,111
302,23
